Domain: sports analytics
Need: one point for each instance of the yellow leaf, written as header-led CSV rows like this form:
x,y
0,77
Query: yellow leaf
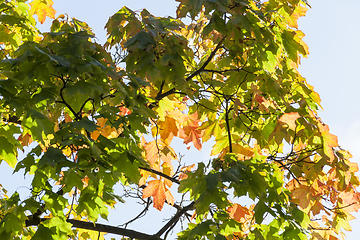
x,y
43,9
329,141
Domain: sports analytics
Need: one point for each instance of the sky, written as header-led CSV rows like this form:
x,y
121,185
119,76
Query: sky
x,y
332,34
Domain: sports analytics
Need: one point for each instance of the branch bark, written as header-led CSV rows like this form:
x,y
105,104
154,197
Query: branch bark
x,y
99,228
174,219
161,174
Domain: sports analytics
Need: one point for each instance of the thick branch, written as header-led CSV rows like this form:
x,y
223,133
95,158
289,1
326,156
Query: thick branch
x,y
176,218
99,228
12,119
161,174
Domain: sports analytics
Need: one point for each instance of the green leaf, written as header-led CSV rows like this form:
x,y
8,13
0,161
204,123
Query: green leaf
x,y
10,224
8,152
43,233
55,158
212,181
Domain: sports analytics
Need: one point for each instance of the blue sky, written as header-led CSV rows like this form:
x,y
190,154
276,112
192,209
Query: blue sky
x,y
332,33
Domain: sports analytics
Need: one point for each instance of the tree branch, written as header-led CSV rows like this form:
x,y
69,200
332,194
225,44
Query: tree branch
x,y
212,54
176,218
161,174
99,228
12,119
227,110
227,70
63,99
197,72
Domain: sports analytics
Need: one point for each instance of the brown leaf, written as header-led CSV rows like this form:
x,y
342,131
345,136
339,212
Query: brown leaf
x,y
302,194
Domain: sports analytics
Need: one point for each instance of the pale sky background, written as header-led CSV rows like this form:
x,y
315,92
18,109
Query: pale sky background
x,y
332,30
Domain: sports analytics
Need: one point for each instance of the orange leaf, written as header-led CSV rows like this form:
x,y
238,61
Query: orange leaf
x,y
25,139
152,155
124,111
43,9
101,122
185,170
168,129
156,189
190,131
289,119
238,212
350,201
169,197
68,118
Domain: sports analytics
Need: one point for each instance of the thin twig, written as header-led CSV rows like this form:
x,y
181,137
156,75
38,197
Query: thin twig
x,y
175,219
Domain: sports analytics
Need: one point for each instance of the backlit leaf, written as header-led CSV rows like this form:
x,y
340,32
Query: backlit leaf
x,y
43,9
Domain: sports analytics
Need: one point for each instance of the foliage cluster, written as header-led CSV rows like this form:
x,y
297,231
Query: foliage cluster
x,y
106,115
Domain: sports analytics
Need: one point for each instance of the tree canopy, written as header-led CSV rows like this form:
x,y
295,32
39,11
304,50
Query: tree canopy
x,y
83,117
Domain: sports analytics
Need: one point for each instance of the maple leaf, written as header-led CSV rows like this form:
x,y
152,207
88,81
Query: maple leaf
x,y
317,207
156,189
191,133
152,152
168,129
350,201
243,152
124,111
238,212
329,141
169,197
43,9
289,119
185,170
302,195
25,139
68,118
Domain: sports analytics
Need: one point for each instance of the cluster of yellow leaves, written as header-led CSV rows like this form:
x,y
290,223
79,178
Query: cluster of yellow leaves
x,y
105,130
338,205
